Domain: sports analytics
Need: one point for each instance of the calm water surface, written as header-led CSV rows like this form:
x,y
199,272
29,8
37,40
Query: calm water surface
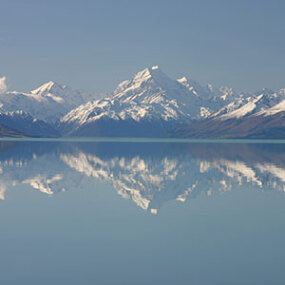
x,y
142,213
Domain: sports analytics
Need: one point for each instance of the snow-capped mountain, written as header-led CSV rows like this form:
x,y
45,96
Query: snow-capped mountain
x,y
48,103
149,104
215,98
252,104
275,109
260,115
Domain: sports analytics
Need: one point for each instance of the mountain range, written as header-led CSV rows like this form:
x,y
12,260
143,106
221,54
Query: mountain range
x,y
150,104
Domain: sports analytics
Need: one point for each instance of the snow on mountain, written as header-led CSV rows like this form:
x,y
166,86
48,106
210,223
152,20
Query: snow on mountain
x,y
152,86
149,105
194,86
279,107
245,109
149,97
209,93
246,106
215,99
49,102
257,116
63,94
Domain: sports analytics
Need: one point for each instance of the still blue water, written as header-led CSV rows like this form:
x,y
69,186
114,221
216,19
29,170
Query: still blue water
x,y
142,212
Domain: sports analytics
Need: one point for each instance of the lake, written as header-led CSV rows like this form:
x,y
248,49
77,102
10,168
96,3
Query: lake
x,y
142,212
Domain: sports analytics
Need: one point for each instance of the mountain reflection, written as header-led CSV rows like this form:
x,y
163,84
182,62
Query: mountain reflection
x,y
149,174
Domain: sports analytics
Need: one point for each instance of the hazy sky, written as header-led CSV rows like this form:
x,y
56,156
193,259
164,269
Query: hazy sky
x,y
96,44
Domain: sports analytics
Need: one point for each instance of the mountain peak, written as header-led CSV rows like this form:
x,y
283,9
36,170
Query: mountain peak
x,y
149,72
154,75
150,75
47,87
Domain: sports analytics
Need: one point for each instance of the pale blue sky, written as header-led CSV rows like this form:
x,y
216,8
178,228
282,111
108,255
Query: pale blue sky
x,y
96,44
